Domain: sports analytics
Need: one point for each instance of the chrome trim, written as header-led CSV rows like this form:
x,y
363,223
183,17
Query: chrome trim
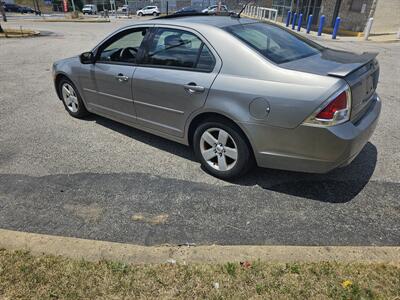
x,y
108,95
159,107
113,111
159,124
116,97
90,90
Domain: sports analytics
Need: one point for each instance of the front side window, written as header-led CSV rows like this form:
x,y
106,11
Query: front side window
x,y
179,49
124,48
274,43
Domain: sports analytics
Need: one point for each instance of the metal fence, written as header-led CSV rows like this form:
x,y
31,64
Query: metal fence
x,y
262,13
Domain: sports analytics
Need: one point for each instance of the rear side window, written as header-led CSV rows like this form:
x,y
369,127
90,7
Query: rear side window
x,y
276,44
176,48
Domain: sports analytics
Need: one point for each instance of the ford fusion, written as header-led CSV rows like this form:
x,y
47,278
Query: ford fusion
x,y
239,91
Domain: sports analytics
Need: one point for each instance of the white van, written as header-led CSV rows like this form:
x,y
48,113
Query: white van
x,y
90,9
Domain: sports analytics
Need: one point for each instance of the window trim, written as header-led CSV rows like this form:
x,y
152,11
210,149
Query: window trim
x,y
307,41
150,38
111,39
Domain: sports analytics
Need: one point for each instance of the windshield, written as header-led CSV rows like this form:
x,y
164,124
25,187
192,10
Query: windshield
x,y
273,42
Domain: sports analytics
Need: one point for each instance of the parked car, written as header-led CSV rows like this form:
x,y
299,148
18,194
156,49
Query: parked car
x,y
123,9
237,90
214,8
89,9
186,10
10,7
148,10
28,10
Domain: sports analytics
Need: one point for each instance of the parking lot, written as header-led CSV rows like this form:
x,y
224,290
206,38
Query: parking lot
x,y
98,179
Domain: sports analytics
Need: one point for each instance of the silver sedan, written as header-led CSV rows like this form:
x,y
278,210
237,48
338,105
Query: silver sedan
x,y
240,92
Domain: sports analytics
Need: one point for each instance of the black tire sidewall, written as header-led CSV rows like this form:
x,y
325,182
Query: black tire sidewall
x,y
245,159
82,111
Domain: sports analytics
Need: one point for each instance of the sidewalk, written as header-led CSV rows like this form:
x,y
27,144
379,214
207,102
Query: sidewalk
x,y
381,38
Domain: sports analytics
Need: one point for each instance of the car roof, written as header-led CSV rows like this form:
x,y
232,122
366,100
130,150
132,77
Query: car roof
x,y
215,21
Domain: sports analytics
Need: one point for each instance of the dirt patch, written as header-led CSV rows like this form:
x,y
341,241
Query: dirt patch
x,y
150,219
89,213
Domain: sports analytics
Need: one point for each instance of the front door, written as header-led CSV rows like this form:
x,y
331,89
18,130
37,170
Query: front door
x,y
173,79
113,73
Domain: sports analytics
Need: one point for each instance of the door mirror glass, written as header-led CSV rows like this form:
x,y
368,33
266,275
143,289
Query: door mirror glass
x,y
87,57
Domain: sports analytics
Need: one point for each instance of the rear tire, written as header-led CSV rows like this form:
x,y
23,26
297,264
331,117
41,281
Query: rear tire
x,y
154,14
222,149
71,98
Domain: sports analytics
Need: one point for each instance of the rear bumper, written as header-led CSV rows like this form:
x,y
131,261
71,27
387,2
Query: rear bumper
x,y
312,149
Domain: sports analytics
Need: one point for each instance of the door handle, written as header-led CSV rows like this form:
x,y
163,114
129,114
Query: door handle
x,y
121,77
193,88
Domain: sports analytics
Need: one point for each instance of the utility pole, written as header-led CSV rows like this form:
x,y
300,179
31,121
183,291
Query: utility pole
x,y
3,13
73,5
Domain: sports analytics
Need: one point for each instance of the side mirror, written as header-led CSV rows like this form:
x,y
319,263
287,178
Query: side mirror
x,y
87,57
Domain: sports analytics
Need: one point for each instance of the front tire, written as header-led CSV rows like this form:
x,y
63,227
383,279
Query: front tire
x,y
222,149
140,14
71,99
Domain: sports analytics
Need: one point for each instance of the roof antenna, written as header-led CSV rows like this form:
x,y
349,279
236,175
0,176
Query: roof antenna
x,y
243,8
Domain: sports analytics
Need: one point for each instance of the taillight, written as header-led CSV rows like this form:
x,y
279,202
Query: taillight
x,y
339,103
335,112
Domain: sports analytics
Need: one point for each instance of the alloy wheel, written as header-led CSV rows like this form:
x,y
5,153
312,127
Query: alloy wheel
x,y
70,98
218,149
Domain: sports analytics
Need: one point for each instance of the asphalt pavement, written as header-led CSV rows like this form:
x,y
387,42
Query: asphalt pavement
x,y
98,179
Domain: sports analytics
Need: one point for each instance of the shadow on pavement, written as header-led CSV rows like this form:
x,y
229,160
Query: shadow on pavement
x,y
338,186
144,137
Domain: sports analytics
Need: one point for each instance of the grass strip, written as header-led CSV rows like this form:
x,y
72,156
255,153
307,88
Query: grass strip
x,y
24,276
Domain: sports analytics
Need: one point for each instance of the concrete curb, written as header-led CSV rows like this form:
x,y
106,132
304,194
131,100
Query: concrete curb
x,y
73,21
16,34
92,250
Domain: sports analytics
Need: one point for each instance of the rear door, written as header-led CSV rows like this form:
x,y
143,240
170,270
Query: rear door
x,y
146,10
173,79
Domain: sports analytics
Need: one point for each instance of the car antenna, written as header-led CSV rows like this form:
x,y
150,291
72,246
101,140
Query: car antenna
x,y
243,8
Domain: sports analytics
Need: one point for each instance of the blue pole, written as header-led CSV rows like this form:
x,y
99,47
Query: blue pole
x,y
300,22
294,20
336,28
309,22
288,18
321,25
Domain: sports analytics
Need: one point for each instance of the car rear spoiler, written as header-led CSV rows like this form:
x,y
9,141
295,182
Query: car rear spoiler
x,y
356,63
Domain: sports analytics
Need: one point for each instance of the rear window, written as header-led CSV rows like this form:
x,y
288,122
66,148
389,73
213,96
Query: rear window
x,y
273,42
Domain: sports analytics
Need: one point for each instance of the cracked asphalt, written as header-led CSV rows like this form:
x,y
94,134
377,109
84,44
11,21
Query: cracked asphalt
x,y
98,179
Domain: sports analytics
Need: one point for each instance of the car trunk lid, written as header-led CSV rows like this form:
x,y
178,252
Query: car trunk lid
x,y
360,71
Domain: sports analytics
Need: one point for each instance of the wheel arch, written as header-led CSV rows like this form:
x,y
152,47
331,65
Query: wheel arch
x,y
58,77
214,116
57,80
